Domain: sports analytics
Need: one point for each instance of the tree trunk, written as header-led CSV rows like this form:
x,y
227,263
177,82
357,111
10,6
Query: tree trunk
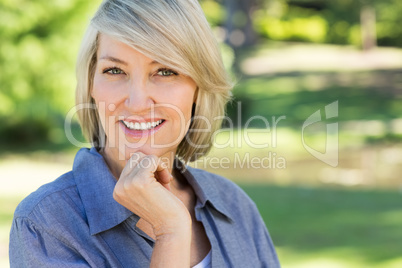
x,y
244,35
368,27
248,7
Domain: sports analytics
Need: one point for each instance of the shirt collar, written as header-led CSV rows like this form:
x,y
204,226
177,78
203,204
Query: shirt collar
x,y
95,185
205,187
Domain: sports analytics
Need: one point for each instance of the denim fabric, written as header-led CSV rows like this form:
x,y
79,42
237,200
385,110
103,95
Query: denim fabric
x,y
75,222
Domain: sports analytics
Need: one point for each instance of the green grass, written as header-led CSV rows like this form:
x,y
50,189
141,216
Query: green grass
x,y
315,226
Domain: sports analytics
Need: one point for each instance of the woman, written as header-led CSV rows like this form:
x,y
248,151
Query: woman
x,y
152,79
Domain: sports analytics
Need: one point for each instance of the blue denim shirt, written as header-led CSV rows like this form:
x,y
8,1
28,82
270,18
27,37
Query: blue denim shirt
x,y
75,222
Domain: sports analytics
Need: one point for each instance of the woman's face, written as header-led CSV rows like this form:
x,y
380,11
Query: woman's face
x,y
143,105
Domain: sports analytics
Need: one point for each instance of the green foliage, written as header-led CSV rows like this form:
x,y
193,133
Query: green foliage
x,y
38,48
310,28
335,22
214,12
389,20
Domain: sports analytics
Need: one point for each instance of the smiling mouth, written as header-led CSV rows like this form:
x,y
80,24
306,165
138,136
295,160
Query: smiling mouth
x,y
142,126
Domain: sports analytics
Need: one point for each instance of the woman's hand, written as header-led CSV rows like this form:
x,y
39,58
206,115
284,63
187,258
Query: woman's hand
x,y
144,188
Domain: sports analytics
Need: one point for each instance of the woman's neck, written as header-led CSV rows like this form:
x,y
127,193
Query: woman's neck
x,y
115,166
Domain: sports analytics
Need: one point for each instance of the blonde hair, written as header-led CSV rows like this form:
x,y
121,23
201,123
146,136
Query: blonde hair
x,y
176,34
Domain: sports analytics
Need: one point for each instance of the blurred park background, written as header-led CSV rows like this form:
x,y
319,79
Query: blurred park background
x,y
329,198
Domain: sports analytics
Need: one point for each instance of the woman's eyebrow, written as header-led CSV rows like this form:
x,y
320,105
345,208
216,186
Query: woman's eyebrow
x,y
113,59
154,62
110,58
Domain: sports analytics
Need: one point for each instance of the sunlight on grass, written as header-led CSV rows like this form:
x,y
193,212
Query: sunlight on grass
x,y
392,217
336,258
282,156
268,88
313,57
395,263
319,259
257,141
283,141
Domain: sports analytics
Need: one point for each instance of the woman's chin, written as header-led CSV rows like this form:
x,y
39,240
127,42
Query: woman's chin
x,y
143,150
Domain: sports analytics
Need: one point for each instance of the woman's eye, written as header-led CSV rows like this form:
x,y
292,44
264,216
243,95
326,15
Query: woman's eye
x,y
113,71
166,72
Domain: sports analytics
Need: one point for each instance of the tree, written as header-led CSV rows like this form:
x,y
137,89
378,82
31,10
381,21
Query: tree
x,y
38,49
368,26
239,23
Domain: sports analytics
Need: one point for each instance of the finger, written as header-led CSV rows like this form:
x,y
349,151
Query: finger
x,y
132,163
148,165
163,175
135,159
138,176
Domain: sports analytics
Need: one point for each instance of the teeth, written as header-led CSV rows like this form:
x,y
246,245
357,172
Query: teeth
x,y
142,126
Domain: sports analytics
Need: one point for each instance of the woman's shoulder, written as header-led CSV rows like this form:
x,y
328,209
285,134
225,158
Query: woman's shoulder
x,y
55,195
48,198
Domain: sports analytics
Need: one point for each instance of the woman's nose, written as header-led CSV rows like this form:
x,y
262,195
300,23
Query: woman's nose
x,y
139,97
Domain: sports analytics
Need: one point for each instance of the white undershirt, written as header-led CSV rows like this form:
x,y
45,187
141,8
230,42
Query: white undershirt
x,y
205,263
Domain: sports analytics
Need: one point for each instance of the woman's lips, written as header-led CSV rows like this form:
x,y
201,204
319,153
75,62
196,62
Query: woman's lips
x,y
142,125
141,129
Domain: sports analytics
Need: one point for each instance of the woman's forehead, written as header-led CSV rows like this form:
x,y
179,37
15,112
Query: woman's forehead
x,y
113,50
